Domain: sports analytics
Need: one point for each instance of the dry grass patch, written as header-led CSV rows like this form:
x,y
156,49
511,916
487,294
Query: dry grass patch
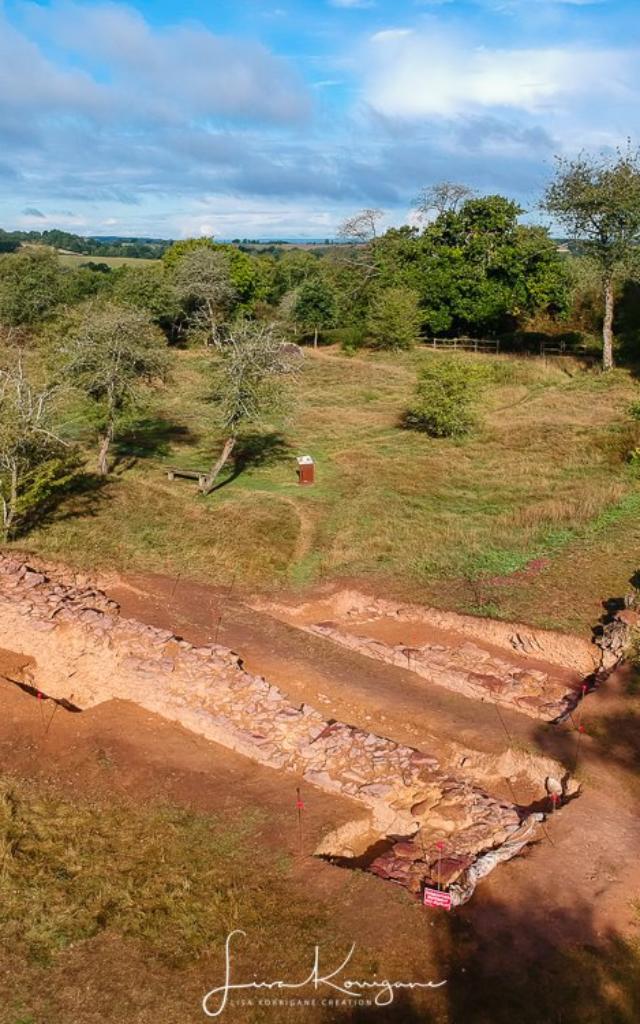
x,y
548,459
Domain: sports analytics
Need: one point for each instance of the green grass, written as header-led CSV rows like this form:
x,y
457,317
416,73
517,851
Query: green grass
x,y
155,886
545,476
77,259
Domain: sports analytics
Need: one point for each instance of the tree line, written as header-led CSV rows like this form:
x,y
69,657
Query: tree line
x,y
100,337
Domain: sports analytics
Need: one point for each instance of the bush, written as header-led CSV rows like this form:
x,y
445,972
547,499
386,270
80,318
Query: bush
x,y
445,397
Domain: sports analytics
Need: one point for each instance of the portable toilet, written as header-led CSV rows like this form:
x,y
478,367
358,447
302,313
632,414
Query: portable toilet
x,y
306,469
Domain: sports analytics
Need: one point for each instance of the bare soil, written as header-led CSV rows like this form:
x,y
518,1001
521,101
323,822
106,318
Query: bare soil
x,y
574,889
589,854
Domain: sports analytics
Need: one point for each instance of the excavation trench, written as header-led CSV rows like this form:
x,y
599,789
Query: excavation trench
x,y
420,822
539,673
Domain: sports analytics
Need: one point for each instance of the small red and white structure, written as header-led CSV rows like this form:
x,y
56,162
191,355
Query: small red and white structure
x,y
306,469
436,898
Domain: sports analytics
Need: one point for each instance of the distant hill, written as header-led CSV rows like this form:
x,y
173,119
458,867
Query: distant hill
x,y
64,241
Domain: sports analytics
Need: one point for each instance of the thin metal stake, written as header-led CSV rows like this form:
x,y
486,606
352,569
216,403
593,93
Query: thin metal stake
x,y
300,808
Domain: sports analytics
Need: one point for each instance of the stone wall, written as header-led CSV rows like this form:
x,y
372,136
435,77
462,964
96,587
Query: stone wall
x,y
471,670
86,653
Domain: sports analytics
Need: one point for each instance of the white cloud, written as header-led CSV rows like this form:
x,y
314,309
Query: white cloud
x,y
433,74
176,72
387,34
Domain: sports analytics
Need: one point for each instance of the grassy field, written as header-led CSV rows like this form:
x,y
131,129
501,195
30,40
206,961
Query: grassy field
x,y
535,516
69,259
118,912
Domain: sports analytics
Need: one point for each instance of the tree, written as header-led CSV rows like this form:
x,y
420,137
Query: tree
x,y
362,227
149,288
394,319
445,197
176,252
251,370
34,462
292,269
315,306
480,271
202,280
598,201
30,287
110,354
443,405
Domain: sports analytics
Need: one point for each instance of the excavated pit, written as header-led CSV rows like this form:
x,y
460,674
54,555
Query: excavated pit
x,y
540,673
421,821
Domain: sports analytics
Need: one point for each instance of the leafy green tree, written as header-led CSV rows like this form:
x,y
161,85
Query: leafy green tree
x,y
485,273
79,284
151,289
292,268
34,461
598,201
30,287
251,369
242,268
394,319
172,256
314,307
445,397
111,354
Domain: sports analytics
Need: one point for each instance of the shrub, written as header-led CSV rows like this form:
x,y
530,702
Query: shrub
x,y
445,396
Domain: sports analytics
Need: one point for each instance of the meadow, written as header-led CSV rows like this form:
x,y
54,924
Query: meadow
x,y
74,260
534,516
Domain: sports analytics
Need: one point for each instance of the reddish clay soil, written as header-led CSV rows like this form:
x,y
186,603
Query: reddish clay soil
x,y
575,886
588,856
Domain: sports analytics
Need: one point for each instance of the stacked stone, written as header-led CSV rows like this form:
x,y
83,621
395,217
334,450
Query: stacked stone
x,y
470,670
617,636
85,649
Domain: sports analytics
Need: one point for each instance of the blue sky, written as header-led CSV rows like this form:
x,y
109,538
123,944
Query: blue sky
x,y
271,118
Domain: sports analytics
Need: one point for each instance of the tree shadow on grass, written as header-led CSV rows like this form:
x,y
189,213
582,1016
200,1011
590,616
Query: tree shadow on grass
x,y
81,497
146,438
256,449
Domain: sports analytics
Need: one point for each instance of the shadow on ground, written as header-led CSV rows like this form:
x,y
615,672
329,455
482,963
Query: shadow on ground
x,y
254,450
149,437
502,965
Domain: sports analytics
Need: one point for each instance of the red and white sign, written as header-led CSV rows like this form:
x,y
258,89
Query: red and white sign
x,y
435,898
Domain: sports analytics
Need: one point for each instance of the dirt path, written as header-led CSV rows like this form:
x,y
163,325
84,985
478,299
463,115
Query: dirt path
x,y
589,855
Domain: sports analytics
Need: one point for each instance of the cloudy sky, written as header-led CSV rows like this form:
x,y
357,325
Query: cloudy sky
x,y
278,118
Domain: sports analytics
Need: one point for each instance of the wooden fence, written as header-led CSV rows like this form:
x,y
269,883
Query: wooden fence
x,y
465,344
541,348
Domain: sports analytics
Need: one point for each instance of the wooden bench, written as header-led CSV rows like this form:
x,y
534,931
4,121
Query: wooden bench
x,y
188,474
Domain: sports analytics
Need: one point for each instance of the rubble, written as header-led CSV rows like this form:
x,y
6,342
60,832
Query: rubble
x,y
616,636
